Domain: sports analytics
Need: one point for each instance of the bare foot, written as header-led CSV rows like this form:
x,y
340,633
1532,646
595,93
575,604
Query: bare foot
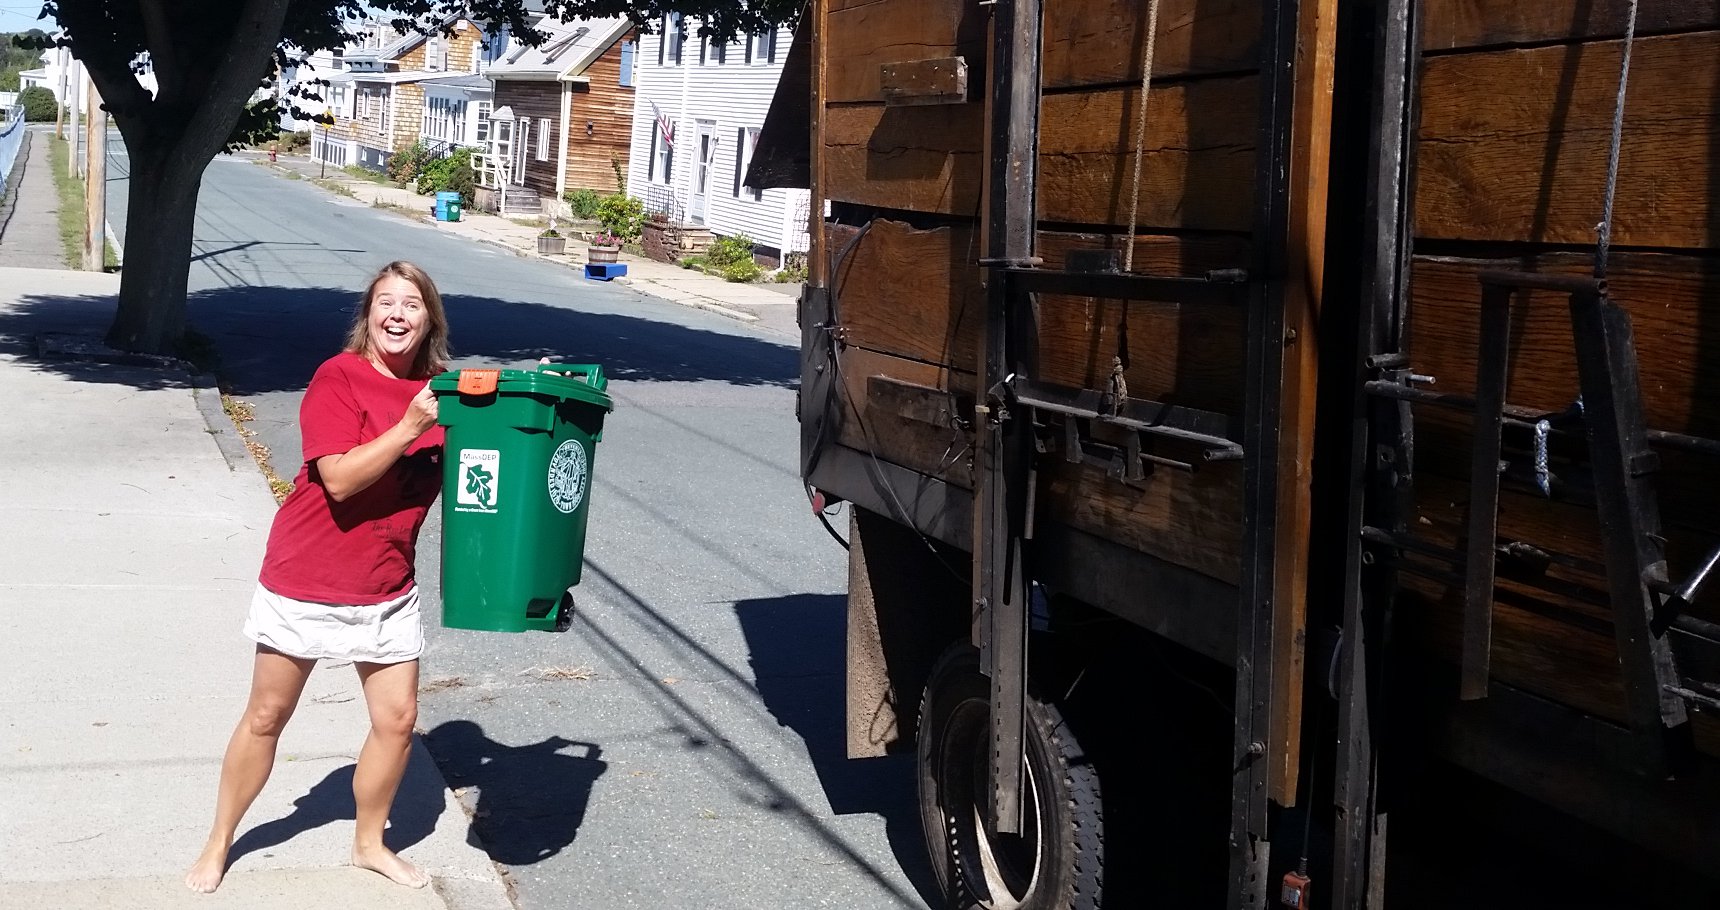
x,y
205,875
386,862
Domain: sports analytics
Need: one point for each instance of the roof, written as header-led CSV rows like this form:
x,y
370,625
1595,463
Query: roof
x,y
459,80
568,48
389,78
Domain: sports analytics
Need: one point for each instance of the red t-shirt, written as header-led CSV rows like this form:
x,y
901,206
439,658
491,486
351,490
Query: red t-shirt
x,y
359,551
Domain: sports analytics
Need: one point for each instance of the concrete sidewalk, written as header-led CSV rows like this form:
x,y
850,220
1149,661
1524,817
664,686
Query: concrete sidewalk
x,y
30,219
769,308
132,547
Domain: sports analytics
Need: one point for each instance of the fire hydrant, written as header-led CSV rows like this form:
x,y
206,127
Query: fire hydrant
x,y
273,148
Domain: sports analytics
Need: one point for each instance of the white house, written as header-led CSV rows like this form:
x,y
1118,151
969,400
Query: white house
x,y
696,118
61,73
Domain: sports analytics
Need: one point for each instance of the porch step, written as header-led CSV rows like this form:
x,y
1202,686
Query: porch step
x,y
522,201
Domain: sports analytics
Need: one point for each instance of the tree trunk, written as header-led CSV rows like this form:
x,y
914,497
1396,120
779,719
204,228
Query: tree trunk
x,y
160,219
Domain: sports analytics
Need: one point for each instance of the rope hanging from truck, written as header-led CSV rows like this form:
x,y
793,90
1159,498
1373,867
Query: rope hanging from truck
x,y
1147,54
1603,231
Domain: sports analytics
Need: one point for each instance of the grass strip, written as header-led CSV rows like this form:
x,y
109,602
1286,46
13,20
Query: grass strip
x,y
71,214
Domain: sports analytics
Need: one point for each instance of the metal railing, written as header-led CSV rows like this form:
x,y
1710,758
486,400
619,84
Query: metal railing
x,y
11,139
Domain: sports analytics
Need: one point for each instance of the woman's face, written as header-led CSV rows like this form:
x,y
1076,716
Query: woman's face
x,y
397,321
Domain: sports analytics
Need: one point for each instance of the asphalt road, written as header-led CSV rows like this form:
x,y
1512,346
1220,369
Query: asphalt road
x,y
681,746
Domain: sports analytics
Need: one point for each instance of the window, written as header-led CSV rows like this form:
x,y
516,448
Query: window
x,y
543,139
720,54
433,57
662,158
482,137
629,55
674,37
745,139
761,48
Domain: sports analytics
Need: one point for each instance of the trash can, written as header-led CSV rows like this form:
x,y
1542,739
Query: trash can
x,y
447,206
516,491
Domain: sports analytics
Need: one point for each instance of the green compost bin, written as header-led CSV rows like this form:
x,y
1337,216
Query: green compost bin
x,y
516,492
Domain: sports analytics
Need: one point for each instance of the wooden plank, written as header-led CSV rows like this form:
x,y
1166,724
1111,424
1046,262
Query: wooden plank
x,y
1459,24
1310,165
1191,519
943,80
1671,300
1531,163
1189,356
893,436
1197,171
1087,42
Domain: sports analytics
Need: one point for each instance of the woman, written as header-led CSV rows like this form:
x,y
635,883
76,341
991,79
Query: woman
x,y
337,579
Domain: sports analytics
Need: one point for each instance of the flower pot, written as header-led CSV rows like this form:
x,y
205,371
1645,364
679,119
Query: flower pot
x,y
552,246
602,253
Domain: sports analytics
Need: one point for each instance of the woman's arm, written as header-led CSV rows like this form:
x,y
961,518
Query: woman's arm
x,y
350,473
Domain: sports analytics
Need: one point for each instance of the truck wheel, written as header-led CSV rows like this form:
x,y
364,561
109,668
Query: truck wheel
x,y
1058,860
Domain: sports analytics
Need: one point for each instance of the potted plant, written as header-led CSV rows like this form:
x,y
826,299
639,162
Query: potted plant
x,y
551,243
605,247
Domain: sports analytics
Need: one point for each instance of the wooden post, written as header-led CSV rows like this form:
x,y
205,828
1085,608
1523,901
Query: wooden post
x,y
75,98
95,185
60,96
818,262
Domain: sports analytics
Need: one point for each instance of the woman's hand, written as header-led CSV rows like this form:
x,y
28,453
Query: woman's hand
x,y
420,413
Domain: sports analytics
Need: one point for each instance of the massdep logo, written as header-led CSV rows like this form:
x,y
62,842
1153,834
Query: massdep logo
x,y
480,474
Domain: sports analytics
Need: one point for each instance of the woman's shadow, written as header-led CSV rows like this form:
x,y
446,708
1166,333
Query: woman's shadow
x,y
417,805
530,799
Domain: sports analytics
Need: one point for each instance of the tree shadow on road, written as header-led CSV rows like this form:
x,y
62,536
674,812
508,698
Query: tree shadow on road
x,y
271,339
530,799
796,646
417,806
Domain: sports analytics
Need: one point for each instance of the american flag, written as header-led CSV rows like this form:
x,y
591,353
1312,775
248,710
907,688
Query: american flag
x,y
665,126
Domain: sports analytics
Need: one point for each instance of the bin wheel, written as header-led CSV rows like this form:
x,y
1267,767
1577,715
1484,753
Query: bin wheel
x,y
1058,859
564,612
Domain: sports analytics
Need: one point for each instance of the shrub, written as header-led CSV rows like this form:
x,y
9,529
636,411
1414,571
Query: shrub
x,y
295,142
603,238
793,269
743,271
622,216
726,251
39,104
584,203
452,174
696,263
405,165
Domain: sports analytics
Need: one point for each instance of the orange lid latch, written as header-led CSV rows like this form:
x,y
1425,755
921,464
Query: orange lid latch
x,y
478,382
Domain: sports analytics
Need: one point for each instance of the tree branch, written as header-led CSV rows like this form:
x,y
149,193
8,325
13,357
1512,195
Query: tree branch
x,y
246,57
97,48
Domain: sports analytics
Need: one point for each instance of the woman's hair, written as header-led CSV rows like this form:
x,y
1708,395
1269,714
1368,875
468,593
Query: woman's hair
x,y
433,352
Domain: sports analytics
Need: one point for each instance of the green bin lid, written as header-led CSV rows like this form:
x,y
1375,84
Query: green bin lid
x,y
587,384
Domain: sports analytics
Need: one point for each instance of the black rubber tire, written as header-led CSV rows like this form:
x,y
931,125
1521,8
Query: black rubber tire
x,y
1058,860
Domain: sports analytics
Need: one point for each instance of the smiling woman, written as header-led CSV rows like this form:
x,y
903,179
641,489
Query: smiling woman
x,y
338,578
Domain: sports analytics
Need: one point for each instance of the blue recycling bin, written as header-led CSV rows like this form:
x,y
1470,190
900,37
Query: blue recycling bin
x,y
447,206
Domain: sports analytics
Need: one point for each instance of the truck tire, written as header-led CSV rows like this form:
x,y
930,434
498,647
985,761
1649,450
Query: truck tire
x,y
1057,861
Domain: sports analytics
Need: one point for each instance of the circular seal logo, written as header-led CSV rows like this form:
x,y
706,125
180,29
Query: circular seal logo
x,y
568,475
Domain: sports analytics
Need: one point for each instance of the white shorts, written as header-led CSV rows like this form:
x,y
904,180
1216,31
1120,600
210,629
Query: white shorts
x,y
384,633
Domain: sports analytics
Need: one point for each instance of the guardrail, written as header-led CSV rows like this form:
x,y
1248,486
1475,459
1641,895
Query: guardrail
x,y
11,138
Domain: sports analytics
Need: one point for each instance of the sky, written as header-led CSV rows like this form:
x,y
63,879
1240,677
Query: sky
x,y
20,16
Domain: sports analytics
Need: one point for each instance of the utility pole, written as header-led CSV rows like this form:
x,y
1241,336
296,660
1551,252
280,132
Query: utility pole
x,y
76,94
61,58
95,186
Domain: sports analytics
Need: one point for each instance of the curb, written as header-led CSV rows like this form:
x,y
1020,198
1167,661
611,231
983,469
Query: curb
x,y
208,397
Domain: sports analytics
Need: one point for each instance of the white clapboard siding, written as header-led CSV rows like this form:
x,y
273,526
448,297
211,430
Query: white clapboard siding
x,y
734,95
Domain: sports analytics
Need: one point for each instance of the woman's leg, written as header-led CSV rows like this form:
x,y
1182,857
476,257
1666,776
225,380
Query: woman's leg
x,y
276,683
391,693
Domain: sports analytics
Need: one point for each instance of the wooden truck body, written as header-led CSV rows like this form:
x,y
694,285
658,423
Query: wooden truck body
x,y
1316,371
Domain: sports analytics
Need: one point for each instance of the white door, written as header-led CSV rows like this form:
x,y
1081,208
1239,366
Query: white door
x,y
707,148
501,144
522,145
